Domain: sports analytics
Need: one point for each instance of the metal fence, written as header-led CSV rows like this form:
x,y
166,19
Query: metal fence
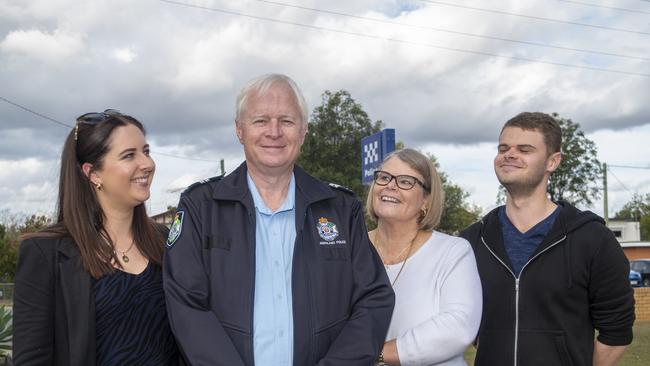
x,y
6,293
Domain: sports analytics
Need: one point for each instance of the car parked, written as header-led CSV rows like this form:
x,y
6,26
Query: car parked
x,y
635,278
643,267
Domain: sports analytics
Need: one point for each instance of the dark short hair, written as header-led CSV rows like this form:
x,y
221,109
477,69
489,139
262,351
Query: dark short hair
x,y
542,122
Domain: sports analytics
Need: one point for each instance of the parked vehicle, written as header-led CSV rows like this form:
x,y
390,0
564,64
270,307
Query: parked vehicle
x,y
643,267
635,279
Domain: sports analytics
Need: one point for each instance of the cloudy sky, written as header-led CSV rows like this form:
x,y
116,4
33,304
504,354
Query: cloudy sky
x,y
445,74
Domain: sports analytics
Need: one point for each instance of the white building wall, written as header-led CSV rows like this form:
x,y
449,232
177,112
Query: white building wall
x,y
625,231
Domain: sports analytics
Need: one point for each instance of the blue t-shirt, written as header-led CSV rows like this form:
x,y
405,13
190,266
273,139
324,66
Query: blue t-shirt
x,y
520,246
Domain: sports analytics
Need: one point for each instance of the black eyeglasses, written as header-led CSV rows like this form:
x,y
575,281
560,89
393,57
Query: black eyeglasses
x,y
404,182
94,118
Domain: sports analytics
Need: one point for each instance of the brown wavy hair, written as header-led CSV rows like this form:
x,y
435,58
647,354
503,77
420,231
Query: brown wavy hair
x,y
79,214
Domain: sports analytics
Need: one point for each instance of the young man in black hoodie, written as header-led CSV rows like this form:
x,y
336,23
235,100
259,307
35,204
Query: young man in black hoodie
x,y
551,274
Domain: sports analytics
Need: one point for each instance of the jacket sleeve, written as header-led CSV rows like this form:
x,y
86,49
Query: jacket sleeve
x,y
198,331
362,337
455,326
611,298
33,311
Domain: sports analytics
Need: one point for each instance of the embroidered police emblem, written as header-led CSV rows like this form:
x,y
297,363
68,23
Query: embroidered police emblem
x,y
175,230
327,230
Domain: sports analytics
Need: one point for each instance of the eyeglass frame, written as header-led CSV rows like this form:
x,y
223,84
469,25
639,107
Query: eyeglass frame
x,y
395,177
94,118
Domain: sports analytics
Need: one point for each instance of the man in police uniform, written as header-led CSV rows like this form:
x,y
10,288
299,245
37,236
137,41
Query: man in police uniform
x,y
270,266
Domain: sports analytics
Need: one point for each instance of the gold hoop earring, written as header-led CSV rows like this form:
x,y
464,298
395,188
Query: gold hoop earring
x,y
98,186
423,213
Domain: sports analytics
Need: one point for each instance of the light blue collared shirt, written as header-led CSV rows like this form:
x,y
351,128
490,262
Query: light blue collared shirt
x,y
275,235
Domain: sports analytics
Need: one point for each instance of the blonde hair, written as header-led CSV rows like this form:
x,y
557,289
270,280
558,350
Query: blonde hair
x,y
432,186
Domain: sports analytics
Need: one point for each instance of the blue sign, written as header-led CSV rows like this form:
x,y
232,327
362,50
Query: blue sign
x,y
373,150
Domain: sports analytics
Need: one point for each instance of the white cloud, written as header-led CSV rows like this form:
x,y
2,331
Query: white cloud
x,y
125,55
28,185
42,46
10,169
178,69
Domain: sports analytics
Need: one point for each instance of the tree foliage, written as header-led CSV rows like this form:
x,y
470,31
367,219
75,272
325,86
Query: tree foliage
x,y
457,213
332,152
332,148
9,240
577,178
638,209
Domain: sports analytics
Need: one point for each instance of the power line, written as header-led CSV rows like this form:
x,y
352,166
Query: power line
x,y
183,157
34,112
70,126
535,17
453,49
435,29
619,181
629,167
605,7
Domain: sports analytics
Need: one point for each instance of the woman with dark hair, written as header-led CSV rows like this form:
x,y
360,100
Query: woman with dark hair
x,y
88,289
438,297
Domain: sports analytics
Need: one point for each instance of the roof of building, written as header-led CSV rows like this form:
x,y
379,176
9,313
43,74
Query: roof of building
x,y
636,244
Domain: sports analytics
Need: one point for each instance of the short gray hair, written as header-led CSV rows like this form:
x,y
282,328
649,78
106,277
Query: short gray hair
x,y
261,84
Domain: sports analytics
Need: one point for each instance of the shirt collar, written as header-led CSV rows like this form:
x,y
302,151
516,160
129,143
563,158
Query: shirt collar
x,y
288,204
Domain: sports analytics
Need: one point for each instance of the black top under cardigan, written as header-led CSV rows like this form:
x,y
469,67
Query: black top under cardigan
x,y
54,307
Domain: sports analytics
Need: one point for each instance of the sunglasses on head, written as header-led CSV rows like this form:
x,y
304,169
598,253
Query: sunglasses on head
x,y
94,118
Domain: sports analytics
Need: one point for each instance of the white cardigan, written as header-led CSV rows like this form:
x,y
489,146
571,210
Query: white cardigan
x,y
438,303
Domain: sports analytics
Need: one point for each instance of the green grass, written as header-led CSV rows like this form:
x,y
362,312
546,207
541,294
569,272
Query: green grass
x,y
637,354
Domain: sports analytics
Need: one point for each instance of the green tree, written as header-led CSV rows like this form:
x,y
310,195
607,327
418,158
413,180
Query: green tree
x,y
332,148
576,179
457,213
34,223
332,152
8,255
638,208
9,241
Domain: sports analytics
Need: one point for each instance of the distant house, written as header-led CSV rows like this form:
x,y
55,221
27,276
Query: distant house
x,y
166,218
625,230
628,233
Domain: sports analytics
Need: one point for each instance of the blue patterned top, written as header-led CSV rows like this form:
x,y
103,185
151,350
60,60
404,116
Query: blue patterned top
x,y
131,320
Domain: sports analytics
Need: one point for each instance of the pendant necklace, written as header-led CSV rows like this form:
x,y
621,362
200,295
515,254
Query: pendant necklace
x,y
405,259
125,258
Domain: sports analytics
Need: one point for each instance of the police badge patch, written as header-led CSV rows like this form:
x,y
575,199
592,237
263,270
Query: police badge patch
x,y
175,230
327,230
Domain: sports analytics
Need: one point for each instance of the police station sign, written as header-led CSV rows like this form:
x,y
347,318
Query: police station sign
x,y
373,150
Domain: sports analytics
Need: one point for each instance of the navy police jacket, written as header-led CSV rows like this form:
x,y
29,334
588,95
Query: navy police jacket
x,y
342,299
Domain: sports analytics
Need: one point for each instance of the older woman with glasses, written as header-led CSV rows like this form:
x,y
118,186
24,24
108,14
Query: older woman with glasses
x,y
88,289
434,276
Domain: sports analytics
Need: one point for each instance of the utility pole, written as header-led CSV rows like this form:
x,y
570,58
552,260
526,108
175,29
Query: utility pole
x,y
223,170
605,208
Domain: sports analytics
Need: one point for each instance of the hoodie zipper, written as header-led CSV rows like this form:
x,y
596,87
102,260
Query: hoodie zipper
x,y
517,287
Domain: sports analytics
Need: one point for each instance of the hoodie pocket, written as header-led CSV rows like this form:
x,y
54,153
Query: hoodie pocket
x,y
495,347
543,347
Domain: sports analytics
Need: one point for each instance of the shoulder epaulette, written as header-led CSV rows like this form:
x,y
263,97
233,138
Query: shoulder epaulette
x,y
341,188
202,182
